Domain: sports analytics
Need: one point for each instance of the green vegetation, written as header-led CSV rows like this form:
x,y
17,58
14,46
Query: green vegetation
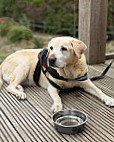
x,y
17,33
14,31
8,8
38,2
38,43
4,27
24,21
52,16
55,16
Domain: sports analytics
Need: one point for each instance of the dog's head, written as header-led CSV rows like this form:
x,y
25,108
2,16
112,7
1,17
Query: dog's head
x,y
64,50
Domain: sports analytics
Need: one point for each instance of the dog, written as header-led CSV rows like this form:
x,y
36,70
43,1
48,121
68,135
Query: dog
x,y
66,55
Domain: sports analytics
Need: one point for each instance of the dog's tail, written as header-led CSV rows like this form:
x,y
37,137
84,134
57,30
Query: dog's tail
x,y
1,81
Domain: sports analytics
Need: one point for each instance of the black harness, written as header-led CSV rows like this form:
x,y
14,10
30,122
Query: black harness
x,y
42,65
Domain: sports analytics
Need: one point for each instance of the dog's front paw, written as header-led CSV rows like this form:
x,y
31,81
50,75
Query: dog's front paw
x,y
109,101
57,107
21,96
20,88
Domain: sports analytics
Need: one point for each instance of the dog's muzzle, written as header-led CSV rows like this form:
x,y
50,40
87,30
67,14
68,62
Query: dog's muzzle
x,y
52,61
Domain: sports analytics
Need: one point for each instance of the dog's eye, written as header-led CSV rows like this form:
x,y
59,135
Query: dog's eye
x,y
63,48
51,48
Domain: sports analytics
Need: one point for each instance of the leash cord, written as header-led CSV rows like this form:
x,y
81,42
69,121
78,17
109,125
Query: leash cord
x,y
103,73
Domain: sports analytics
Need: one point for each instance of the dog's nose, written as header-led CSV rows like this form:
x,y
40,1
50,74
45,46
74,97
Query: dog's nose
x,y
52,60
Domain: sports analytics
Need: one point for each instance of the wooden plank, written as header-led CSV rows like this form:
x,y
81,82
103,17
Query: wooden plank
x,y
45,98
66,101
101,67
107,62
109,56
100,130
39,130
99,105
92,28
41,102
19,126
3,138
45,106
9,129
5,133
31,119
106,82
91,133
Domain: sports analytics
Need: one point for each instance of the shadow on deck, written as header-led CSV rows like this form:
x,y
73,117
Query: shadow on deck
x,y
30,120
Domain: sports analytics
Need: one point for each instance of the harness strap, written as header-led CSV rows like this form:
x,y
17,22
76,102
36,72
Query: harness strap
x,y
51,82
55,74
43,63
37,73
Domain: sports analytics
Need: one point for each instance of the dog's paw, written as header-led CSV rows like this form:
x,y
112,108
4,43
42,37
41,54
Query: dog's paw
x,y
109,101
56,107
20,88
21,96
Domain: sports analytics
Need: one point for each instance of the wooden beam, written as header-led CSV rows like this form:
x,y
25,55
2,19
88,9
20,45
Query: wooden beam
x,y
109,56
92,28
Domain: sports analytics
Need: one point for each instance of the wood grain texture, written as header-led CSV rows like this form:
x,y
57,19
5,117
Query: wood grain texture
x,y
31,120
92,28
110,56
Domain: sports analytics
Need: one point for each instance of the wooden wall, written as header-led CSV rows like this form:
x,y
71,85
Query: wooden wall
x,y
92,28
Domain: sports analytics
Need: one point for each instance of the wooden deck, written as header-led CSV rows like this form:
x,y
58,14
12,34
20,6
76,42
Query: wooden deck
x,y
30,120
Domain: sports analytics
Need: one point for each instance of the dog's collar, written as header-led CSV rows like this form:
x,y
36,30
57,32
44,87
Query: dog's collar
x,y
42,65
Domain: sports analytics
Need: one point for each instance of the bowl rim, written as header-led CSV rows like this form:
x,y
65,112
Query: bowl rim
x,y
72,126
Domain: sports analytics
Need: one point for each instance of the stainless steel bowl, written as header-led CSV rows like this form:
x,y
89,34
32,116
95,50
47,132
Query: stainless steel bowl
x,y
69,121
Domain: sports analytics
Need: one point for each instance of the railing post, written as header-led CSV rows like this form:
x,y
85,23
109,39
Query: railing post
x,y
92,28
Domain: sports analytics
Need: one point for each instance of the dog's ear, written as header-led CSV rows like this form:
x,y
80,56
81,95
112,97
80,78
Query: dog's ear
x,y
79,47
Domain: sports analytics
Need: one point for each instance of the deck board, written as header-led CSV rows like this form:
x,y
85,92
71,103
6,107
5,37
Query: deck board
x,y
30,120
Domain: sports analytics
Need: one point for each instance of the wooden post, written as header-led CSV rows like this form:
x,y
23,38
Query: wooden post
x,y
92,28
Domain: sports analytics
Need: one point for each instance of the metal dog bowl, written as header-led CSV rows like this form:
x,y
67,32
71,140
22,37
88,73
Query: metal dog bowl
x,y
69,121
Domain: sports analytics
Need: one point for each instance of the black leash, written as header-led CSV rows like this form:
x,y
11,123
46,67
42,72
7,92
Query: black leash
x,y
42,65
103,73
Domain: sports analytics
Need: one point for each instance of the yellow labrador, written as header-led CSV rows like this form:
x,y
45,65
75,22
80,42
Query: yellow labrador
x,y
66,55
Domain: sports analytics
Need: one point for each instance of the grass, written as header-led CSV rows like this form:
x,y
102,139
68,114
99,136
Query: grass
x,y
7,47
3,55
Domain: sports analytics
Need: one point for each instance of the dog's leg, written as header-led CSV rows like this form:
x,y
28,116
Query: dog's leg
x,y
20,88
57,105
19,75
89,87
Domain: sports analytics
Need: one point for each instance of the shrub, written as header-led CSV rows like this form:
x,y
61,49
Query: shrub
x,y
8,8
17,32
38,43
64,23
24,21
4,27
38,2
